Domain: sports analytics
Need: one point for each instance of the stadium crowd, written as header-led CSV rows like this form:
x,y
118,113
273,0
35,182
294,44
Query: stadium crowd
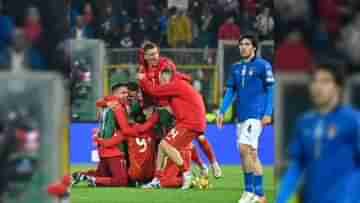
x,y
126,24
311,31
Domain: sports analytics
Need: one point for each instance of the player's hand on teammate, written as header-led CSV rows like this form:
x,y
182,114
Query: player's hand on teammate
x,y
112,104
266,120
220,120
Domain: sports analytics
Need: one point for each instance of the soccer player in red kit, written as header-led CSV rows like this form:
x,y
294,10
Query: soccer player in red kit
x,y
188,108
112,168
151,64
171,177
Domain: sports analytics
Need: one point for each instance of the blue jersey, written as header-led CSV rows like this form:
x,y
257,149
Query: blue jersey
x,y
251,84
326,150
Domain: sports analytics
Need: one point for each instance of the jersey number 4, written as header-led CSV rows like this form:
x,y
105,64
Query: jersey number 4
x,y
172,134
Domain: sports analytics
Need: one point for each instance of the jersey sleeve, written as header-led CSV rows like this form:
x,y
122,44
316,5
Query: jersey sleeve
x,y
268,75
229,92
296,147
269,83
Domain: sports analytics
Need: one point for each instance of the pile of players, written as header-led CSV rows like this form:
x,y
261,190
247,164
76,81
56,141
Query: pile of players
x,y
147,128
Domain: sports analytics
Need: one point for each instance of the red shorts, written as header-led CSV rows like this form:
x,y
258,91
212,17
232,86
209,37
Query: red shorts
x,y
181,138
141,171
172,176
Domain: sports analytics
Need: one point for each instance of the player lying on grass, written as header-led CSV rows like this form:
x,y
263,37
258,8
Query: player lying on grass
x,y
151,64
112,168
189,122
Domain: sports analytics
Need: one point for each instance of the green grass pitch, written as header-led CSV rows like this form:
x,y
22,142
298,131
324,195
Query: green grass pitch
x,y
224,190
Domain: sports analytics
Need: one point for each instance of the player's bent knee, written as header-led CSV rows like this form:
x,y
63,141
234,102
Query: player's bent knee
x,y
254,154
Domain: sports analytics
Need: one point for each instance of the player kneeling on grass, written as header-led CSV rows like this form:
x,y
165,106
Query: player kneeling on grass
x,y
189,111
141,148
112,169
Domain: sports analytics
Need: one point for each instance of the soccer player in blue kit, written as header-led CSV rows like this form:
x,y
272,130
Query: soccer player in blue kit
x,y
325,151
250,84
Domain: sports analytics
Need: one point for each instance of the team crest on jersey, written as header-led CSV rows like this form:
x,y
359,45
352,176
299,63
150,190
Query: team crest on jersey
x,y
332,131
251,71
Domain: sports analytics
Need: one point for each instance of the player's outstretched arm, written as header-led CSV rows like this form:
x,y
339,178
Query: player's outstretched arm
x,y
169,89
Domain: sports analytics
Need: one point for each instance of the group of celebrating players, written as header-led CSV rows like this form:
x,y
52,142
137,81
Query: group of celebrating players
x,y
147,128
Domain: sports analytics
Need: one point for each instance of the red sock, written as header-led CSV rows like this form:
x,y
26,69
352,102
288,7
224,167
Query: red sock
x,y
195,157
57,189
207,148
158,174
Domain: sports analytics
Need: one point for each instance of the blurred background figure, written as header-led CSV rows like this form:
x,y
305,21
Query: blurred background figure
x,y
20,55
81,30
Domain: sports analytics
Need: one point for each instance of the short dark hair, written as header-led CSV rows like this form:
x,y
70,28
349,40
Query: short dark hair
x,y
149,45
336,69
113,88
251,37
133,86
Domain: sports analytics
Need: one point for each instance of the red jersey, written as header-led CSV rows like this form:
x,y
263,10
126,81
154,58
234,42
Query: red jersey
x,y
185,102
141,150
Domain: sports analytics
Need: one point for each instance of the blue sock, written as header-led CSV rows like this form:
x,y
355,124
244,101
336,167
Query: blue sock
x,y
249,182
258,185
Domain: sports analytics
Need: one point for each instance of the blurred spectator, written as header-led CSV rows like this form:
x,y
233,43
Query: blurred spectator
x,y
115,36
265,24
330,13
107,23
20,56
6,28
80,30
250,6
143,8
163,20
124,17
350,40
179,31
88,14
140,33
126,39
292,55
32,25
320,38
229,30
208,29
247,22
232,6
